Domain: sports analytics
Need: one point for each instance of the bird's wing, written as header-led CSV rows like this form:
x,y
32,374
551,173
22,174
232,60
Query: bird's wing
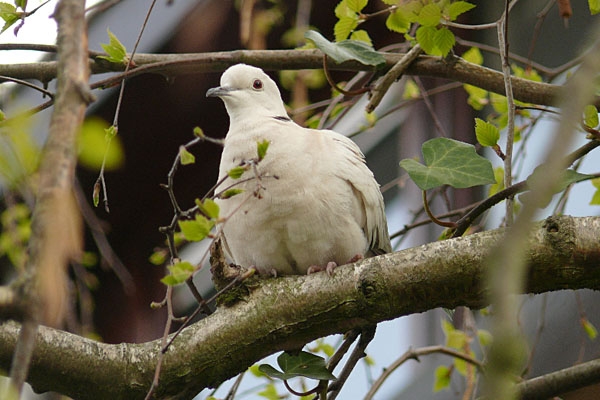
x,y
355,171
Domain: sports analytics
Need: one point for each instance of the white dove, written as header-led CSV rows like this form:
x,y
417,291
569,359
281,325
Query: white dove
x,y
320,206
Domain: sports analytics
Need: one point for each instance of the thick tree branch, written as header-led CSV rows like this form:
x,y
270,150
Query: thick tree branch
x,y
184,64
285,313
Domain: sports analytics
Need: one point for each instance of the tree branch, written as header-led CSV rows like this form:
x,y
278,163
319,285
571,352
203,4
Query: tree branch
x,y
184,64
287,312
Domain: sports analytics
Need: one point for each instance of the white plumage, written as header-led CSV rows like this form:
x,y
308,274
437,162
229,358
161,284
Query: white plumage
x,y
324,204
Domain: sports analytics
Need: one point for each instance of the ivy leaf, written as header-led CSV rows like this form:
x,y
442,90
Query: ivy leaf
x,y
346,50
115,50
178,273
567,178
185,156
449,162
196,229
457,8
301,364
590,116
487,134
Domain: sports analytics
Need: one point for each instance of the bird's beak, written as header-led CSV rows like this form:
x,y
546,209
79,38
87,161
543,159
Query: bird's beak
x,y
219,91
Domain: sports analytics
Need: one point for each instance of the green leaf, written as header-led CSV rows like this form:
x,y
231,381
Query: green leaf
x,y
473,55
301,364
426,38
236,172
589,328
590,114
478,98
270,392
444,41
485,337
356,5
96,145
346,50
596,197
196,229
449,162
342,10
230,193
185,156
361,36
487,134
457,8
397,22
594,6
208,208
178,273
411,90
568,177
442,378
158,257
456,339
115,50
430,15
344,27
261,149
9,14
21,4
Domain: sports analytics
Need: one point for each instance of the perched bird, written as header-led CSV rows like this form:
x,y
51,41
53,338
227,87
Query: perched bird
x,y
319,206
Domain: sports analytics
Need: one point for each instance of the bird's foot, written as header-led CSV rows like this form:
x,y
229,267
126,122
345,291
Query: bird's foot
x,y
331,265
355,258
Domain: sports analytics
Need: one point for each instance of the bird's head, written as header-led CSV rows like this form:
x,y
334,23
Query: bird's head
x,y
248,92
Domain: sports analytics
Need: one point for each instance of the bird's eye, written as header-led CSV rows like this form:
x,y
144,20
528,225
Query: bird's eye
x,y
257,84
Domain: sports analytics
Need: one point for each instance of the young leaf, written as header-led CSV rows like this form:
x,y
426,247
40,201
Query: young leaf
x,y
485,337
430,15
208,208
9,14
356,5
361,36
98,146
115,50
594,6
449,162
457,8
473,55
487,134
589,328
444,41
346,50
397,22
236,172
231,192
185,156
178,273
590,116
261,149
196,229
426,39
596,197
344,27
442,378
